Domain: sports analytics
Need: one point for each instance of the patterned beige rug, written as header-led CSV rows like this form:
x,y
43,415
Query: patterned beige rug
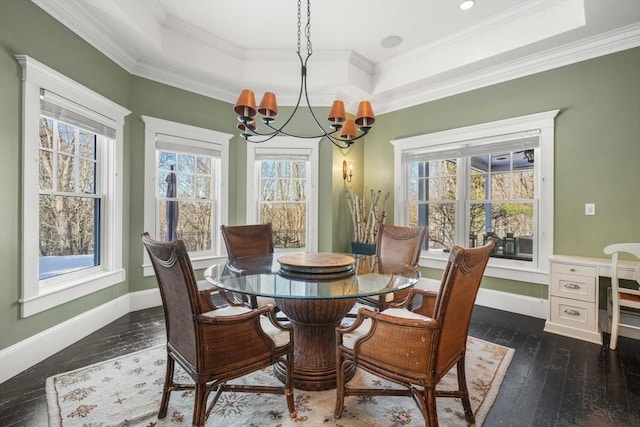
x,y
126,392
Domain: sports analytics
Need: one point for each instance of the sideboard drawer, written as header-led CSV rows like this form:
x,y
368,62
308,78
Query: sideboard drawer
x,y
574,269
573,286
573,313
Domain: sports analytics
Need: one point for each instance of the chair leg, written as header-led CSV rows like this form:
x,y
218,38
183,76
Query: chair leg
x,y
200,404
340,385
615,325
168,384
431,416
289,391
462,386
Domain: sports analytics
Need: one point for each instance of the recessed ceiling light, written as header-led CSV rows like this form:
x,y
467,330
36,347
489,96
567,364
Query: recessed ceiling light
x,y
467,4
391,41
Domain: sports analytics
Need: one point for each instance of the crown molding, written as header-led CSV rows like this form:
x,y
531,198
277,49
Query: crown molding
x,y
428,90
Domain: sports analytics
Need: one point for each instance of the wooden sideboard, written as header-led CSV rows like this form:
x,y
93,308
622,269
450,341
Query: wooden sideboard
x,y
574,294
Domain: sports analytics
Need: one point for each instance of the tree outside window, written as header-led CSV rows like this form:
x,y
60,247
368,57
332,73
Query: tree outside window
x,y
283,201
69,206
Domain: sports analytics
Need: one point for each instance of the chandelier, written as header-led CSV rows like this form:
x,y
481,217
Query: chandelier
x,y
343,132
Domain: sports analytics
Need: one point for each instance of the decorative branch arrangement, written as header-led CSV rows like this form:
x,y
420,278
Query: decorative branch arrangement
x,y
367,215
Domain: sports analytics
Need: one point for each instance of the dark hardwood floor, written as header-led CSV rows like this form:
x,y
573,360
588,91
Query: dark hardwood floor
x,y
552,380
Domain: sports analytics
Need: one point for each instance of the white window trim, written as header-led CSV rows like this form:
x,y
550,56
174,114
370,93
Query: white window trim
x,y
37,298
253,174
154,126
454,138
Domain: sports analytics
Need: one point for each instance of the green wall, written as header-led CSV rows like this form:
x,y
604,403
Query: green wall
x,y
597,152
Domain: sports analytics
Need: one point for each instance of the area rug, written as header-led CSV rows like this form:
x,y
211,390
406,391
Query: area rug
x,y
126,391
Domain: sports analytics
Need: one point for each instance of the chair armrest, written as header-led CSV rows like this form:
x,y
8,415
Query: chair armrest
x,y
395,341
428,304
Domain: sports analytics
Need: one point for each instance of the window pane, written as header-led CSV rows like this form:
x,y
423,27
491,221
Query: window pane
x,y
87,144
203,165
288,221
479,186
501,186
166,160
66,138
283,169
185,185
68,228
46,170
441,223
268,189
186,163
500,162
46,133
267,169
299,190
65,168
299,170
87,174
523,185
204,187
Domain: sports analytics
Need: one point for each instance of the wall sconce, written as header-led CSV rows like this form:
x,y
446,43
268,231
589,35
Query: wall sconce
x,y
345,176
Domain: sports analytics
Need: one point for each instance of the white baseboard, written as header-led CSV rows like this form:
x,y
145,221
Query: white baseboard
x,y
145,299
520,304
36,348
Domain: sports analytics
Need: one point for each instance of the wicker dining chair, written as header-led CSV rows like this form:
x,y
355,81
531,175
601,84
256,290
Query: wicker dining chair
x,y
246,241
396,248
214,345
416,348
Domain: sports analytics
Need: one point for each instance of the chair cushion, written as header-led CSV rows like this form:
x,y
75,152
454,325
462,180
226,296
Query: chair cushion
x,y
350,338
278,336
230,310
265,300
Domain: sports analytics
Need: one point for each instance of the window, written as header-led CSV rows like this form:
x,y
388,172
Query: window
x,y
471,183
283,191
72,189
185,187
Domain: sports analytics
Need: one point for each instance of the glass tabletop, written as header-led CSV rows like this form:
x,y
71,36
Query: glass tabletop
x,y
263,276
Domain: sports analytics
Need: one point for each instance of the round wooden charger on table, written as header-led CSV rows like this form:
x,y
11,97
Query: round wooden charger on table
x,y
326,265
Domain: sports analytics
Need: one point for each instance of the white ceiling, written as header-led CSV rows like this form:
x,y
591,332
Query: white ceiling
x,y
218,47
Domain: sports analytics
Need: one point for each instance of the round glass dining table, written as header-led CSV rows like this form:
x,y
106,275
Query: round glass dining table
x,y
315,291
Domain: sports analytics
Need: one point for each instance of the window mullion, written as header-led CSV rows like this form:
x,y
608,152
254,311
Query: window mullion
x,y
463,205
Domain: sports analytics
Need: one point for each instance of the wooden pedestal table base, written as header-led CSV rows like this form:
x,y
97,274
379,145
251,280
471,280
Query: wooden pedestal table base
x,y
314,322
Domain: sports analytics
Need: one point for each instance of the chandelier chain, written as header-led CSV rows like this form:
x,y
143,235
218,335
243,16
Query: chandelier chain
x,y
308,29
299,27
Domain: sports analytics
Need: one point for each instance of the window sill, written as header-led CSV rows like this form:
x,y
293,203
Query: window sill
x,y
494,269
54,296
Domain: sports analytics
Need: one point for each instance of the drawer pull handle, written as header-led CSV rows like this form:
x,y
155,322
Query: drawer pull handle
x,y
571,286
572,270
572,312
